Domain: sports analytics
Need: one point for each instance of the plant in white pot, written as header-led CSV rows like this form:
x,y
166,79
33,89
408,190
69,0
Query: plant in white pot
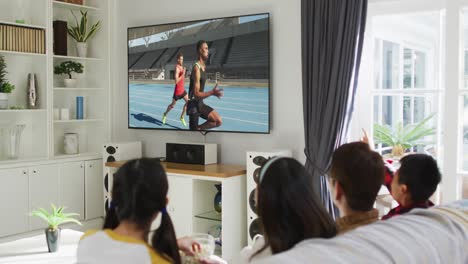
x,y
5,86
81,34
67,68
54,219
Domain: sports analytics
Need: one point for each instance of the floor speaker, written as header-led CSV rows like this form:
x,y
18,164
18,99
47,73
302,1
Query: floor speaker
x,y
255,160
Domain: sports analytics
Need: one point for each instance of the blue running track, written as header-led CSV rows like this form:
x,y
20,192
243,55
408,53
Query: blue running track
x,y
242,109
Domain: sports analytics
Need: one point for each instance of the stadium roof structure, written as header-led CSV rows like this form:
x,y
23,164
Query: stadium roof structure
x,y
139,32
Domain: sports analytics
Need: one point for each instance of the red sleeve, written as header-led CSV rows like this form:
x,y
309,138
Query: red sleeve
x,y
388,179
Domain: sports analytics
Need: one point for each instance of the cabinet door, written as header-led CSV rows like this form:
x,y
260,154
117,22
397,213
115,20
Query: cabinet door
x,y
43,191
72,187
14,201
180,204
94,186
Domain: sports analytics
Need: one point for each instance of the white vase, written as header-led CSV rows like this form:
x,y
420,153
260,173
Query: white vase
x,y
70,143
70,83
82,49
3,101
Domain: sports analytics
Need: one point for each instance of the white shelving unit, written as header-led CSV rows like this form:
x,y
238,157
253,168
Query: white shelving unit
x,y
93,84
43,135
42,168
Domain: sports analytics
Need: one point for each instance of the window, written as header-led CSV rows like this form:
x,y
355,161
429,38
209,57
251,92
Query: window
x,y
403,93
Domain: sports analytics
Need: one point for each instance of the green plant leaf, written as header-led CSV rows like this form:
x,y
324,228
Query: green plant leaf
x,y
40,215
70,220
93,30
56,217
406,136
84,20
79,31
383,135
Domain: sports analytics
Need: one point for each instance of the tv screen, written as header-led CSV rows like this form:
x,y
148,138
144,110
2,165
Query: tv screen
x,y
205,75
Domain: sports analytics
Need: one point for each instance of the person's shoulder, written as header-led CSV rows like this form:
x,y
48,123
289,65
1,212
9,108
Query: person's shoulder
x,y
89,233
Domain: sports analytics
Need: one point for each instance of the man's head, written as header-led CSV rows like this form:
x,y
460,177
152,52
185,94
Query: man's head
x,y
202,49
180,58
416,179
356,175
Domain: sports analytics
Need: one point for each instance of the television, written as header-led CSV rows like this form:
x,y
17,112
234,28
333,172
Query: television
x,y
204,75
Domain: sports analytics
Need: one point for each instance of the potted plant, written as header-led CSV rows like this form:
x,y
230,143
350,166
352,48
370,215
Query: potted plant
x,y
5,86
68,67
402,138
81,34
54,219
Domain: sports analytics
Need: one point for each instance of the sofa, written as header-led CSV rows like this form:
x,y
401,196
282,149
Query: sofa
x,y
436,235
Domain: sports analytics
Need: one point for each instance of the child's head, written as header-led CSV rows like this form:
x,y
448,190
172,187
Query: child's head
x,y
416,179
357,174
288,207
139,192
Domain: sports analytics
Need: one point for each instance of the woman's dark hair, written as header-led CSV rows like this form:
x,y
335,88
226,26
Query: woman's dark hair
x,y
288,208
179,55
139,191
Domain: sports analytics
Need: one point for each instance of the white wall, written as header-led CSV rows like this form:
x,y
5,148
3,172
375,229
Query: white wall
x,y
286,109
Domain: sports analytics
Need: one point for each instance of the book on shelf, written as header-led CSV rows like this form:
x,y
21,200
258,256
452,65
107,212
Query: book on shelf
x,y
22,39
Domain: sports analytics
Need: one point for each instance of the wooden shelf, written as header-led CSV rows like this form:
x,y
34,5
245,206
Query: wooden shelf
x,y
211,170
77,121
76,58
21,25
59,4
22,53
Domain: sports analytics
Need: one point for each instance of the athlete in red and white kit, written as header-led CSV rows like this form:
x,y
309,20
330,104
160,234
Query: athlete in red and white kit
x,y
179,90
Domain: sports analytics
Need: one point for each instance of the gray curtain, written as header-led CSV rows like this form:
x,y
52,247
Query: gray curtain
x,y
332,39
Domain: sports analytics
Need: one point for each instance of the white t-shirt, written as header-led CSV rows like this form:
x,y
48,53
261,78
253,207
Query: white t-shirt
x,y
106,246
247,252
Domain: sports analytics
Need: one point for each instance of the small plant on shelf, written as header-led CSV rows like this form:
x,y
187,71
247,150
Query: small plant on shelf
x,y
81,34
5,86
53,220
67,68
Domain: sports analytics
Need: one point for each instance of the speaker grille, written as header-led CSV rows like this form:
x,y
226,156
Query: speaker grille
x,y
106,182
252,202
259,160
110,150
254,228
256,175
110,159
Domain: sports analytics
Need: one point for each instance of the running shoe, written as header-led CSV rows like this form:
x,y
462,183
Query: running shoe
x,y
183,121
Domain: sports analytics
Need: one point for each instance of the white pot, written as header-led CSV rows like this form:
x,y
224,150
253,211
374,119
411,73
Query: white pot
x,y
82,49
70,83
3,101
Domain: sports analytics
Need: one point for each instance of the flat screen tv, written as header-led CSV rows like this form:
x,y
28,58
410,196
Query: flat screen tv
x,y
205,75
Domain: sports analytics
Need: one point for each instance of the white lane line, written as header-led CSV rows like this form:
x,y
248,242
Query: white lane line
x,y
223,117
212,105
226,97
223,98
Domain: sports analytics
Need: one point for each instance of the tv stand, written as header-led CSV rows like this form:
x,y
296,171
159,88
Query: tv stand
x,y
191,207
